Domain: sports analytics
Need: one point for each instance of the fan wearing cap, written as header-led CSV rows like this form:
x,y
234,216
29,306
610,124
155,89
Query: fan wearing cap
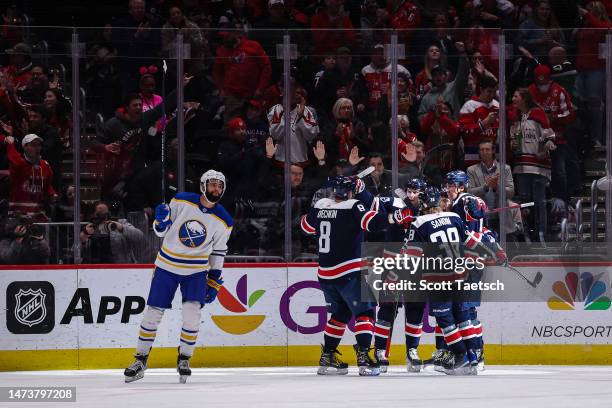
x,y
239,161
30,178
20,64
557,104
451,92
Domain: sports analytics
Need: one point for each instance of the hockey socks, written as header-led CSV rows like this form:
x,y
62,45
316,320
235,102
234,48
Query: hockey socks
x,y
334,330
192,312
363,331
382,331
148,329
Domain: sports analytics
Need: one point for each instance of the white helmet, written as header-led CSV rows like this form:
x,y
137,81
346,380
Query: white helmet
x,y
212,175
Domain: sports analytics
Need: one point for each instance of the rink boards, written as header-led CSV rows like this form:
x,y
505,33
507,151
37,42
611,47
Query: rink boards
x,y
59,317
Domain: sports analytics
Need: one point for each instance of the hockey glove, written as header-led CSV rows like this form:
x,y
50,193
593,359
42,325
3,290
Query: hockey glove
x,y
402,217
162,218
359,186
476,208
214,284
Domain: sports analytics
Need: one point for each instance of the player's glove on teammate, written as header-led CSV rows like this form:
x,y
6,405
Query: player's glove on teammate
x,y
162,217
476,209
402,217
214,284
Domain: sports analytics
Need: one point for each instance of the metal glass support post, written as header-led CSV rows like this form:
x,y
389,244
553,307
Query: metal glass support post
x,y
76,144
608,86
502,139
180,118
394,102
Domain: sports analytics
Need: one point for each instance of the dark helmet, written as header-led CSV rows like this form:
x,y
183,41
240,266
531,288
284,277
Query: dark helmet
x,y
416,184
457,177
430,197
341,186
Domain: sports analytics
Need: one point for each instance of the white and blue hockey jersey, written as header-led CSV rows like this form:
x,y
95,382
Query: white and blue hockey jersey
x,y
196,240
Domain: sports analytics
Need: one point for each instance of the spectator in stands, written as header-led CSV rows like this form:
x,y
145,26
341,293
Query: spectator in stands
x,y
304,128
51,146
591,69
331,28
404,137
484,182
34,90
109,240
377,76
414,163
23,243
241,71
239,162
147,87
135,34
477,71
433,57
541,32
178,23
379,181
557,104
241,14
31,187
20,64
479,120
58,113
563,71
258,128
346,133
532,140
441,37
404,16
343,80
439,128
123,143
451,92
373,20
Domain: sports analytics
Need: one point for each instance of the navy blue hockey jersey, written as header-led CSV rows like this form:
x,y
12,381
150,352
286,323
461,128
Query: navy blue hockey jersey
x,y
340,227
460,208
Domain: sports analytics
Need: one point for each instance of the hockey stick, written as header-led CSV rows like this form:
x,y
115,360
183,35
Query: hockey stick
x,y
536,279
511,207
163,133
365,172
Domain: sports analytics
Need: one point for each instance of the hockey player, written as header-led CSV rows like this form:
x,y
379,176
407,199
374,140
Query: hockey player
x,y
195,230
339,224
387,311
447,229
480,241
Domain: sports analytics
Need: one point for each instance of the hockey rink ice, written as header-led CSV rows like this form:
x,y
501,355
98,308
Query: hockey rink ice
x,y
497,386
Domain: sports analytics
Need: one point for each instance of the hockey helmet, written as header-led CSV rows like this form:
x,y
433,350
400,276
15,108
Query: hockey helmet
x,y
341,186
457,178
206,178
416,184
430,197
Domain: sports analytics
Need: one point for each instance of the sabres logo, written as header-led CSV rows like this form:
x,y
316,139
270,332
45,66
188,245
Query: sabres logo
x,y
192,234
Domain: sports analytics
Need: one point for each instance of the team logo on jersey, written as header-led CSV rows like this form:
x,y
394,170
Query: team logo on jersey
x,y
192,233
241,303
586,289
30,307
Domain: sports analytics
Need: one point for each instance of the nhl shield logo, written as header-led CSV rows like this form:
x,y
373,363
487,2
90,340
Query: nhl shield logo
x,y
30,307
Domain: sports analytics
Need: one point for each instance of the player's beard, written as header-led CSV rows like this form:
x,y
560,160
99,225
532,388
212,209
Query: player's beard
x,y
212,197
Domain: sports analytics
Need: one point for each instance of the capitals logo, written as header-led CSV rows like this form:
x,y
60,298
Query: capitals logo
x,y
192,234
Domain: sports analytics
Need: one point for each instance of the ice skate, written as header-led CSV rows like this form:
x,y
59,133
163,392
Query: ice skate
x,y
182,367
481,359
457,364
330,364
381,359
437,358
137,369
414,364
366,365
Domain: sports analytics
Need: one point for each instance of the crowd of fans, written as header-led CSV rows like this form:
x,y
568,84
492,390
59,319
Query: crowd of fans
x,y
340,119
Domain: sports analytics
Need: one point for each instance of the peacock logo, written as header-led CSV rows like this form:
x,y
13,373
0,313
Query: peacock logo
x,y
586,289
238,323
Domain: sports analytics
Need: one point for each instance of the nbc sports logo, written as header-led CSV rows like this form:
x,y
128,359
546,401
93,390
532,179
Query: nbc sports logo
x,y
239,323
586,289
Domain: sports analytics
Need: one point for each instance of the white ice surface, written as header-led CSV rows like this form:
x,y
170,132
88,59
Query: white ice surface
x,y
497,387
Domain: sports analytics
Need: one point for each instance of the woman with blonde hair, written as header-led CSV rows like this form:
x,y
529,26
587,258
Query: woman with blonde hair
x,y
347,132
432,57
